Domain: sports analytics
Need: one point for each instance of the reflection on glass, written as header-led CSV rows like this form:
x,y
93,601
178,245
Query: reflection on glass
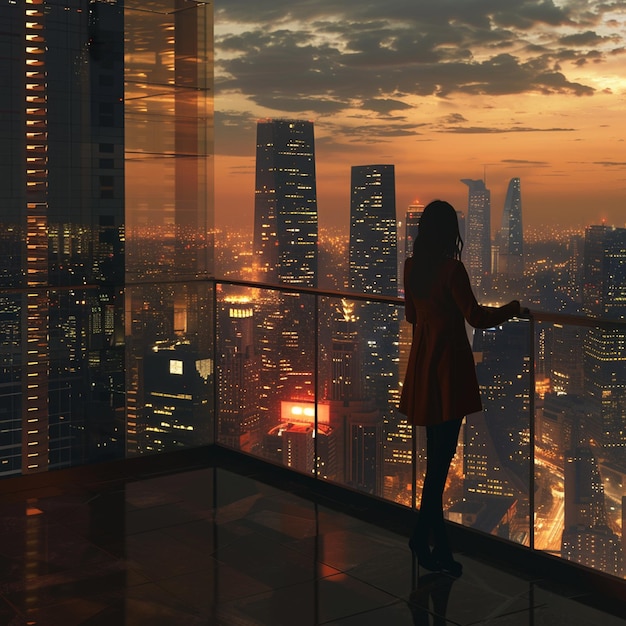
x,y
73,74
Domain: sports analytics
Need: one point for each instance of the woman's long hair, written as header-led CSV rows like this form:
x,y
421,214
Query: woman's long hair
x,y
438,238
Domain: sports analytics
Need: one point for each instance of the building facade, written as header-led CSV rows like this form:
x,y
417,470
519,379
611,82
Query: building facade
x,y
478,234
285,204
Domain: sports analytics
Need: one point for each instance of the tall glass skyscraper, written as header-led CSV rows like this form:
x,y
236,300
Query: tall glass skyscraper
x,y
510,237
285,207
373,232
373,268
478,233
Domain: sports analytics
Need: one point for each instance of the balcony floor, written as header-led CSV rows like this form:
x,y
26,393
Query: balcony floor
x,y
209,546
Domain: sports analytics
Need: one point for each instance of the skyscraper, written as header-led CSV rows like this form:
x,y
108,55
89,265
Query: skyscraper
x,y
285,207
478,233
510,237
77,102
238,376
354,416
604,349
62,197
373,258
373,268
373,253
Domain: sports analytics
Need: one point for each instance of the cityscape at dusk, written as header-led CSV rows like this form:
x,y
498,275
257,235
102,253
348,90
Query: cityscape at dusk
x,y
206,210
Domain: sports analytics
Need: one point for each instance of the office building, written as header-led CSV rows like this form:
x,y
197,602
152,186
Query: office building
x,y
510,239
587,536
238,417
478,234
82,163
373,248
285,206
354,416
604,349
373,269
373,263
496,452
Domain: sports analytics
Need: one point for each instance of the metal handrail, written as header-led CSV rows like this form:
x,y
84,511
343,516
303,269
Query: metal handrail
x,y
537,315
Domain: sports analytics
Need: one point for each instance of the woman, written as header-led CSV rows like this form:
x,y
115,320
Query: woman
x,y
440,385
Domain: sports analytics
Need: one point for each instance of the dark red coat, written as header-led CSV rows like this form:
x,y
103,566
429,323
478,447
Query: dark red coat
x,y
440,382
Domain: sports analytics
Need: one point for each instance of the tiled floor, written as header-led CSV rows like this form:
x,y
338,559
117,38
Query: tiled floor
x,y
212,547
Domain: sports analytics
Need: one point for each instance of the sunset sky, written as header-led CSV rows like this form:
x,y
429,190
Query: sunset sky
x,y
443,89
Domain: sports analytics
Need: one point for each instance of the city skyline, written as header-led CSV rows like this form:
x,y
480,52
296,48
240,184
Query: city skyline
x,y
528,89
117,340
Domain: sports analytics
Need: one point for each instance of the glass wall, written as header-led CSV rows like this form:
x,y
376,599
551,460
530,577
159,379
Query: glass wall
x,y
168,158
106,176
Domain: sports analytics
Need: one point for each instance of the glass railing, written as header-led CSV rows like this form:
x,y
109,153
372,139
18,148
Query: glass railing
x,y
580,440
310,380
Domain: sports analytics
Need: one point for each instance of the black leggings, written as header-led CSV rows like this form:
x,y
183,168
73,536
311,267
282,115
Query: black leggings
x,y
441,442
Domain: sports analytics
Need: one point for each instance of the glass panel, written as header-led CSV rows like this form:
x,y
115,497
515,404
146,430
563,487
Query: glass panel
x,y
579,445
168,138
170,366
266,373
364,442
83,163
169,216
488,486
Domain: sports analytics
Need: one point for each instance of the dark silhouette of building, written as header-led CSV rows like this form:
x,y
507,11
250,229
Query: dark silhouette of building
x,y
354,416
496,454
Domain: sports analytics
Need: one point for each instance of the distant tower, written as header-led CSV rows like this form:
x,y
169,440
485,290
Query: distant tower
x,y
285,208
478,235
373,233
510,237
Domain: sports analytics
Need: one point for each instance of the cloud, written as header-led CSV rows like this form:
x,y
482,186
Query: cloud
x,y
521,163
486,130
588,38
385,105
454,118
322,57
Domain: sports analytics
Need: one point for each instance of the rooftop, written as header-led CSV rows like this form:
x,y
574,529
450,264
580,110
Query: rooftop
x,y
187,543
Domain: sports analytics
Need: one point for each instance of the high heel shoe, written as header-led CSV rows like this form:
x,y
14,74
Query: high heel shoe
x,y
447,564
424,556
